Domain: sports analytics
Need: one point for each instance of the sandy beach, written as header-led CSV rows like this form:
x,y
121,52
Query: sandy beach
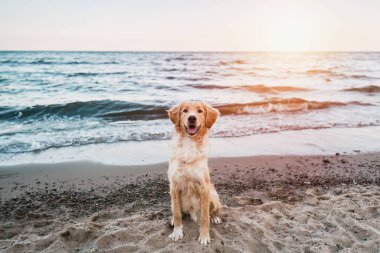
x,y
271,204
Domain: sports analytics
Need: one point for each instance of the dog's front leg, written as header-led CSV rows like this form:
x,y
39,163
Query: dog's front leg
x,y
204,232
177,214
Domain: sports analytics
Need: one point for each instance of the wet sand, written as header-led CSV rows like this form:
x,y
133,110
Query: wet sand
x,y
271,204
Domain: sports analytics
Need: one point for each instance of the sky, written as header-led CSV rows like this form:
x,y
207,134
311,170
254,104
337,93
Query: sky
x,y
197,25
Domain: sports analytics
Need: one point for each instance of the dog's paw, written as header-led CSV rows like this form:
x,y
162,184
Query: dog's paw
x,y
177,234
216,220
204,238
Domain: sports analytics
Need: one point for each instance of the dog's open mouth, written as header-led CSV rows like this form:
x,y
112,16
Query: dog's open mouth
x,y
192,129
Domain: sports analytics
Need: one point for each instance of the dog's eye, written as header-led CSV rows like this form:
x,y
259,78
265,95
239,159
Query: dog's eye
x,y
185,111
200,111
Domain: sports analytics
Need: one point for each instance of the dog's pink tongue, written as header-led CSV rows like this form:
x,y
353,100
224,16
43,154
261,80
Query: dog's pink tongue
x,y
192,130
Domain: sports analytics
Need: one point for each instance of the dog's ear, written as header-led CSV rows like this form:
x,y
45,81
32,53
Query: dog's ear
x,y
174,114
211,115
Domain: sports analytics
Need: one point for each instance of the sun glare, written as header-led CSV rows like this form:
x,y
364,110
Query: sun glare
x,y
290,33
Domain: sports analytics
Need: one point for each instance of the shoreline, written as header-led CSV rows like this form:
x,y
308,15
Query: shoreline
x,y
327,141
271,204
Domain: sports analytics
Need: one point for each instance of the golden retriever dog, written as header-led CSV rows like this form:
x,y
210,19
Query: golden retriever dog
x,y
190,188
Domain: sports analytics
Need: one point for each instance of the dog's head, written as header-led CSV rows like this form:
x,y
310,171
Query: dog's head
x,y
193,117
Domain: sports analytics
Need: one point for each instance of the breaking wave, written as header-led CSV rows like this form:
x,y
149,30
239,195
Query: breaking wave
x,y
108,109
279,105
123,110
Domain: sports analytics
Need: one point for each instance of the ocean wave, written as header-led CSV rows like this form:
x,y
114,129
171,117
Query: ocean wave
x,y
147,112
175,59
191,79
185,58
259,88
108,109
171,69
280,105
195,79
9,62
79,138
248,130
85,74
239,62
123,110
271,89
210,86
330,73
320,71
365,89
49,62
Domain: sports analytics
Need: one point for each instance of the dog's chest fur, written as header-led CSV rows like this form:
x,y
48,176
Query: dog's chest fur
x,y
188,161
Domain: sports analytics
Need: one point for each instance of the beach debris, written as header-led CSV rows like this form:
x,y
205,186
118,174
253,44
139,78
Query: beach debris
x,y
325,160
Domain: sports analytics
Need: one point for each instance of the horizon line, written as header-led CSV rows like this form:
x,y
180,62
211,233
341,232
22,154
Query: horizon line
x,y
194,51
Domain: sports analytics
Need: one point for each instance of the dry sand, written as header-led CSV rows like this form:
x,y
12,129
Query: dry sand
x,y
272,204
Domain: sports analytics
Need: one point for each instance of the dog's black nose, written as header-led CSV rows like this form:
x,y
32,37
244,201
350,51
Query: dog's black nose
x,y
192,119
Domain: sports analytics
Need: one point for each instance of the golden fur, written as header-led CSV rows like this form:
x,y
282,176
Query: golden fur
x,y
190,188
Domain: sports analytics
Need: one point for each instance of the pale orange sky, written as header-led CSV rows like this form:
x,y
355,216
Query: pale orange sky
x,y
218,25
